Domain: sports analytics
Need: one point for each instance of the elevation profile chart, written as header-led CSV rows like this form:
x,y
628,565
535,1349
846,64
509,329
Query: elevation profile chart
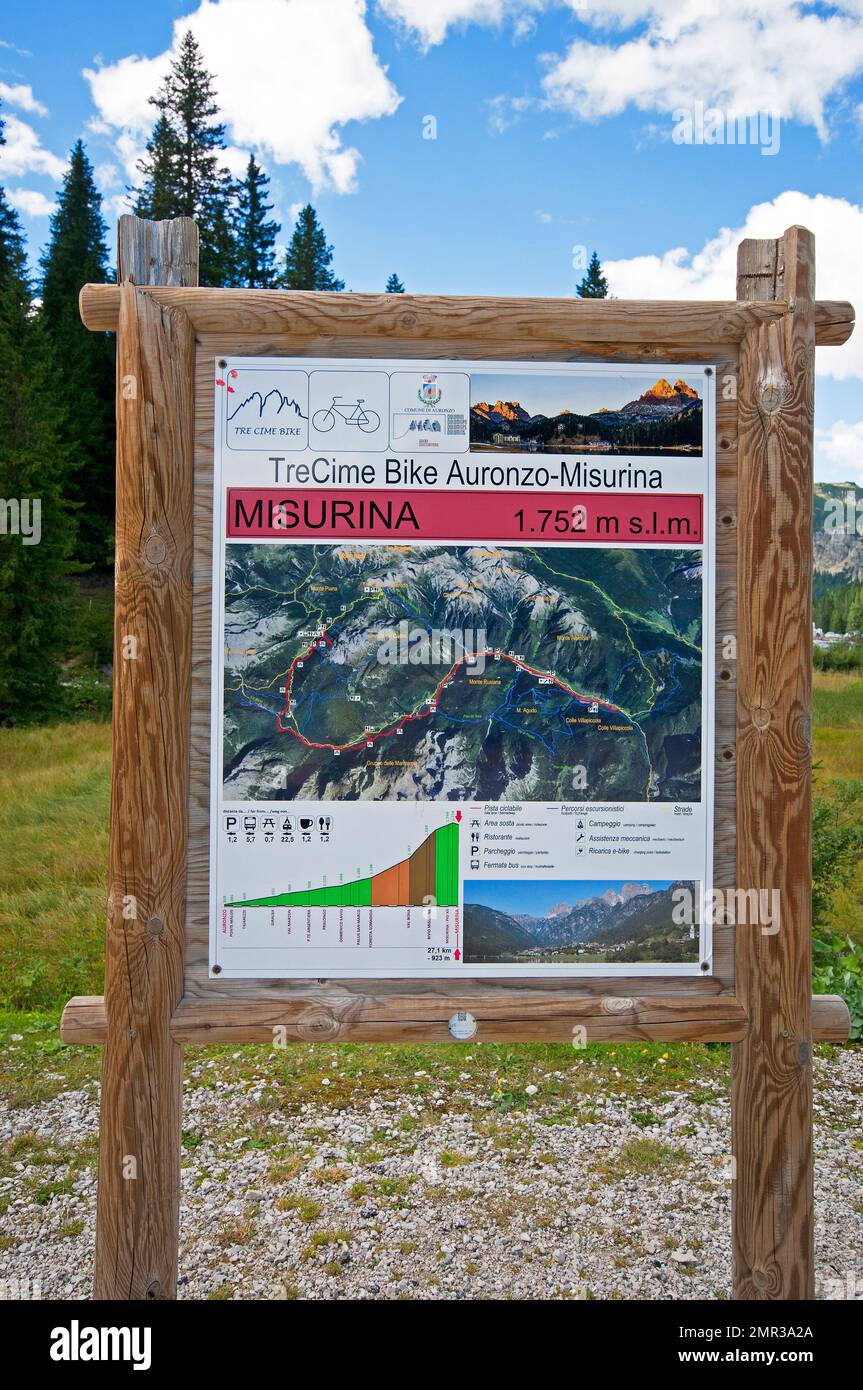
x,y
428,878
353,887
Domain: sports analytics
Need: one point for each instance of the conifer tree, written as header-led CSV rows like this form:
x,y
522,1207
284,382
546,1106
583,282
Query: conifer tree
x,y
12,257
854,621
33,593
183,173
219,255
594,285
76,255
308,260
159,197
254,235
394,285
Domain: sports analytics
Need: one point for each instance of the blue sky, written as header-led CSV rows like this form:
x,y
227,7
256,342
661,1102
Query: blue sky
x,y
535,898
558,126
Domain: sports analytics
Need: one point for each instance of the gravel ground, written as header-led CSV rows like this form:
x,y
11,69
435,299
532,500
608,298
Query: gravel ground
x,y
422,1199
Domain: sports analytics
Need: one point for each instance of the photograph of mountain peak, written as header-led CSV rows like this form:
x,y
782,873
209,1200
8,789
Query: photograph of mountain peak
x,y
589,921
557,413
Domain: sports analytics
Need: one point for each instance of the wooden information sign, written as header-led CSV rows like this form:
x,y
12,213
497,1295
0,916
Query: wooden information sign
x,y
428,610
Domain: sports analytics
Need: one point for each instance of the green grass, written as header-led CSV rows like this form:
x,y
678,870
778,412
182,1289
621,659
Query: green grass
x,y
837,701
837,752
54,788
837,725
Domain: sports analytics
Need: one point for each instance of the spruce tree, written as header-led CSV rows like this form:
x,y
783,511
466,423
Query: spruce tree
x,y
76,255
159,197
308,260
12,256
254,235
594,285
183,174
395,285
854,621
219,257
33,593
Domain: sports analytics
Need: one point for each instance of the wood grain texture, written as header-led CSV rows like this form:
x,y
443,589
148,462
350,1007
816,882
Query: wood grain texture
x,y
202,1021
570,323
139,1141
505,1016
156,253
772,1068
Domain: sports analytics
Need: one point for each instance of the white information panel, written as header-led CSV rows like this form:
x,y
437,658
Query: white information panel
x,y
462,671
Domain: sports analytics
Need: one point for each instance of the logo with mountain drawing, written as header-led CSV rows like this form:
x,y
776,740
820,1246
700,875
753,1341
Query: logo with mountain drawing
x,y
271,407
267,408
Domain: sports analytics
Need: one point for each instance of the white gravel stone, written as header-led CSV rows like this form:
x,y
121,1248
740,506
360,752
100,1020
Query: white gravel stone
x,y
444,1211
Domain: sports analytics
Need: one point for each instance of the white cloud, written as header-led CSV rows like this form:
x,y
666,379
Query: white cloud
x,y
30,202
23,152
784,56
107,176
741,57
129,148
288,74
21,95
710,273
116,204
506,111
122,90
839,453
431,20
236,160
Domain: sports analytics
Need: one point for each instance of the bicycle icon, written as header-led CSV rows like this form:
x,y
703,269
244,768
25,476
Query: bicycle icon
x,y
350,412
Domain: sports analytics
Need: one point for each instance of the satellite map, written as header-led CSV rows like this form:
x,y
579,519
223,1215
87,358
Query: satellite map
x,y
442,672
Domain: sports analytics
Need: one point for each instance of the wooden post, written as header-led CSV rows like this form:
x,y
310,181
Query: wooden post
x,y
772,1066
139,1146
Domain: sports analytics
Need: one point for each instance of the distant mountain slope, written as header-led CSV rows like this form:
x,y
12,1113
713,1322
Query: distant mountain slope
x,y
493,934
838,552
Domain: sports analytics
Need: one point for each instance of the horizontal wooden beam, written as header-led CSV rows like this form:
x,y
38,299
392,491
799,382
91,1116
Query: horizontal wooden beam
x,y
831,1019
834,322
516,1016
717,1018
310,315
84,1020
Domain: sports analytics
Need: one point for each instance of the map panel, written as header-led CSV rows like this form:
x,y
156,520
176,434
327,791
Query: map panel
x,y
462,672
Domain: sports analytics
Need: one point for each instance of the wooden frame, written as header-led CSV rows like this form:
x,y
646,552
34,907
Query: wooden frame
x,y
158,991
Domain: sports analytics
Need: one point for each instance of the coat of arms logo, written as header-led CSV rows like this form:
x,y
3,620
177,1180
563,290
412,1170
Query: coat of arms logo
x,y
429,393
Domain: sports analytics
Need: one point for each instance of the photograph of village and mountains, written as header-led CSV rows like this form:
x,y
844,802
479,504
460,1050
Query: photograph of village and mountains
x,y
584,922
601,414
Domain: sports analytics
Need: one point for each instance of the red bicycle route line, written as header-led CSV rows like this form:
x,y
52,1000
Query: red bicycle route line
x,y
432,703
